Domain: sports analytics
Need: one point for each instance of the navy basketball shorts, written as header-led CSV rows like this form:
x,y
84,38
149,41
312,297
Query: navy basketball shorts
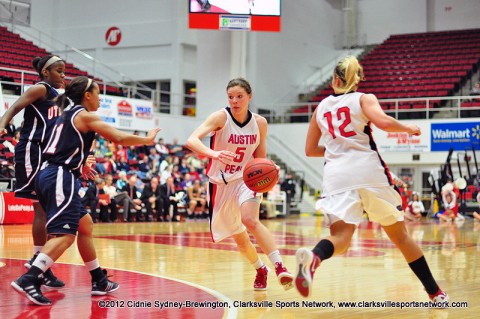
x,y
57,190
28,160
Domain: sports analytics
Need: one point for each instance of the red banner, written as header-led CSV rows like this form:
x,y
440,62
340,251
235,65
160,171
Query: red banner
x,y
15,210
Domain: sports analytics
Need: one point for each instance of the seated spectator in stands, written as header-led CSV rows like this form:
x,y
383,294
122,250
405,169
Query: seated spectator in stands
x,y
144,168
120,152
183,166
415,208
170,199
162,149
109,164
90,196
176,149
100,147
197,200
289,186
10,129
132,153
16,137
165,174
152,199
107,201
132,192
475,90
122,164
177,176
187,181
121,181
194,175
154,160
141,149
119,198
165,163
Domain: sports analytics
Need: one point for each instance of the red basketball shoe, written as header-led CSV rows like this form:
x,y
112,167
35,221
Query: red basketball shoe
x,y
307,263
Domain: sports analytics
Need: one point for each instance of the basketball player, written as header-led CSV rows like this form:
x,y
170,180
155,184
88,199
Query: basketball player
x,y
356,178
57,185
40,114
238,135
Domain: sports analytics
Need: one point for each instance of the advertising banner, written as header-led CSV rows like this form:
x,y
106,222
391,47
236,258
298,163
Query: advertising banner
x,y
459,136
15,210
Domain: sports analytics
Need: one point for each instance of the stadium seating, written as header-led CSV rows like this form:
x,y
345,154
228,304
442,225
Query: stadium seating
x,y
18,53
433,64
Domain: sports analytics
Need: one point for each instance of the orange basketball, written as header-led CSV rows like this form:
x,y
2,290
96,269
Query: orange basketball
x,y
260,175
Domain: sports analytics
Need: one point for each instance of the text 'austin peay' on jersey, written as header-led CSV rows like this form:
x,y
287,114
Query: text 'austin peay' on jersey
x,y
239,138
67,146
351,157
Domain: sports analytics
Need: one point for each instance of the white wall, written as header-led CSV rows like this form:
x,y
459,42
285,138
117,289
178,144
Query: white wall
x,y
378,19
157,44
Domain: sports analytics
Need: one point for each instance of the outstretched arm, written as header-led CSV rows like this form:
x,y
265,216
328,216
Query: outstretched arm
x,y
86,121
375,114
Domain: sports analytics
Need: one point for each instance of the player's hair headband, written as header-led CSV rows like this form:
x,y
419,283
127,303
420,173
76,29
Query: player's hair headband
x,y
51,61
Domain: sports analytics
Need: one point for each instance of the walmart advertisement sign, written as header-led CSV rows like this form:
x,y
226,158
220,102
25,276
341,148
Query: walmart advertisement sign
x,y
460,136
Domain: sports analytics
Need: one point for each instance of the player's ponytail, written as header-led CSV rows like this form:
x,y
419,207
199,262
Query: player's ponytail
x,y
74,92
350,73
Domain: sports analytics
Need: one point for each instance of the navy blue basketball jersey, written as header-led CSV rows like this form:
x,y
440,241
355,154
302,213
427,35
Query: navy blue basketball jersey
x,y
39,117
67,146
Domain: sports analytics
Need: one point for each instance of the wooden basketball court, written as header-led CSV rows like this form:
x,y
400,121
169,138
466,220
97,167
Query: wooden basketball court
x,y
173,270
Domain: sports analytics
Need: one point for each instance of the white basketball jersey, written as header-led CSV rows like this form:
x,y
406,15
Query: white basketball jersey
x,y
239,138
351,157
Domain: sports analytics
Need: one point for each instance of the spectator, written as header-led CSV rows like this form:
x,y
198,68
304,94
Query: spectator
x,y
162,149
183,167
152,199
168,191
122,164
131,190
120,152
90,196
475,90
450,207
11,129
144,168
154,161
119,198
289,187
121,181
198,199
164,175
107,194
109,163
132,153
476,216
415,208
176,149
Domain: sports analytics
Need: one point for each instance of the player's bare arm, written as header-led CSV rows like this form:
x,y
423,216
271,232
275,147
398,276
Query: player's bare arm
x,y
33,94
312,149
261,151
213,123
372,109
86,121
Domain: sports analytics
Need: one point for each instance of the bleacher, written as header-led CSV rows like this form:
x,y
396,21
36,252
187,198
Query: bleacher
x,y
433,64
16,55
